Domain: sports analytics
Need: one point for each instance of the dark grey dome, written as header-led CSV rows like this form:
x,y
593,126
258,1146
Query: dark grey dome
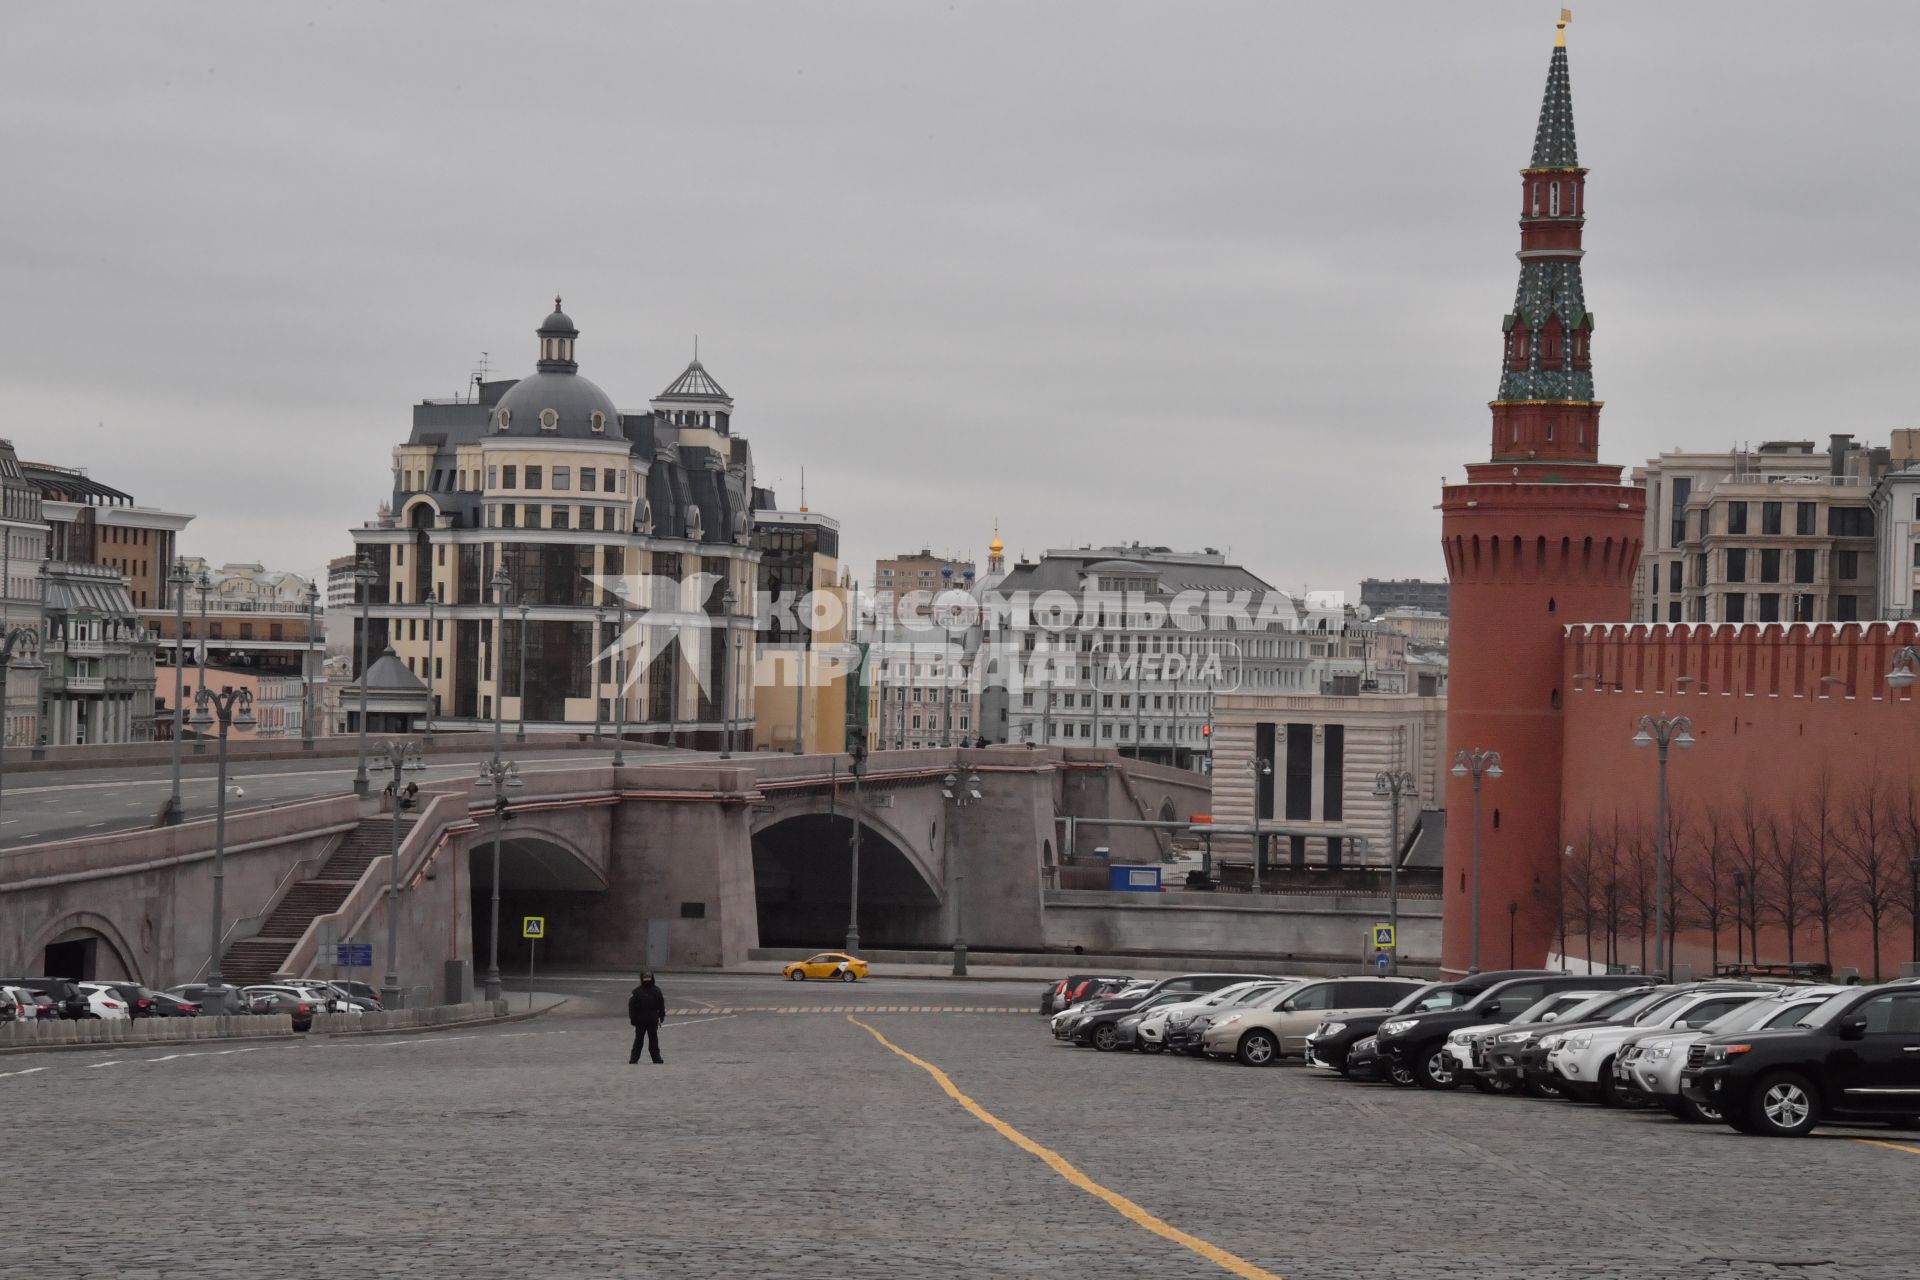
x,y
559,322
574,401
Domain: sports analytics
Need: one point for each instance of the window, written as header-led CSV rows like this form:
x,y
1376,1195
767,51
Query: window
x,y
1846,565
1553,199
533,477
1769,606
586,517
549,420
1803,565
1316,997
510,477
1846,608
1850,522
506,417
1736,517
599,421
563,478
587,475
562,517
1673,611
606,480
1736,564
1805,515
1737,607
533,515
506,516
1682,491
1770,565
1674,571
1770,517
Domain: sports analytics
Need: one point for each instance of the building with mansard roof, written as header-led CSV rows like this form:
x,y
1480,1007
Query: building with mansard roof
x,y
583,509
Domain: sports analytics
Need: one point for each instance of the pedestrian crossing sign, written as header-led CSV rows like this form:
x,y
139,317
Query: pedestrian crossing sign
x,y
1383,937
533,926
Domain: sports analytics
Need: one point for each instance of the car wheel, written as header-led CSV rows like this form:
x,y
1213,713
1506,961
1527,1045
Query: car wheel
x,y
1698,1114
1610,1094
1258,1049
1542,1089
1150,1046
1402,1076
797,975
848,975
1494,1084
1433,1069
1783,1106
1105,1037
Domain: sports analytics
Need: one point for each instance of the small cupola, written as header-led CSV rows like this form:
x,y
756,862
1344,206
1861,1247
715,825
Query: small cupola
x,y
557,333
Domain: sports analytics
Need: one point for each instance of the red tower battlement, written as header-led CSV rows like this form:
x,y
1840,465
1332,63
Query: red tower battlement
x,y
1542,535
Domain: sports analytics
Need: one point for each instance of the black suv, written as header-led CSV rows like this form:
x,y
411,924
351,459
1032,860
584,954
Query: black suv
x,y
1856,1057
1416,1043
1329,1046
64,992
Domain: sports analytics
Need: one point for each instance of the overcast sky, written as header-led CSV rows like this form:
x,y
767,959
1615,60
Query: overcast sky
x,y
1224,274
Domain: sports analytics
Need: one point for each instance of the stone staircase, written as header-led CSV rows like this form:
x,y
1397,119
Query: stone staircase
x,y
257,958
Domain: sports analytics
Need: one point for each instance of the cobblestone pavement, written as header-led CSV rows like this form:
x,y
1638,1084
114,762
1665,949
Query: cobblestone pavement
x,y
774,1145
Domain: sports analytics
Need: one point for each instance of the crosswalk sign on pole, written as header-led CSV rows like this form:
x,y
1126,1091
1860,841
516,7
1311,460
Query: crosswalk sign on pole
x,y
533,926
1383,937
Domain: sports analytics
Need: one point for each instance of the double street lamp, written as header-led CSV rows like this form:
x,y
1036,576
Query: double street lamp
x,y
618,649
179,579
500,775
399,757
960,794
1663,732
520,733
501,584
1476,764
364,576
727,679
1258,768
231,709
1398,787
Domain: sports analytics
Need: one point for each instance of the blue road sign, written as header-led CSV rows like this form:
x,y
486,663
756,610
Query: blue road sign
x,y
354,955
1383,962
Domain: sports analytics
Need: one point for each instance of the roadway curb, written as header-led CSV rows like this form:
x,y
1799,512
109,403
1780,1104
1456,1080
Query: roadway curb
x,y
290,1037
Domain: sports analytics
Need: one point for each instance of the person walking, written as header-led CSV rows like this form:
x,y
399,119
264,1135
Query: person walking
x,y
646,1010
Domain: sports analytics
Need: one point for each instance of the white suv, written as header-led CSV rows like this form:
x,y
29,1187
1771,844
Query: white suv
x,y
1582,1064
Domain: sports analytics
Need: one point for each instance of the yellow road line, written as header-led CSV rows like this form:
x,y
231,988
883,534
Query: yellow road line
x,y
1891,1146
1061,1165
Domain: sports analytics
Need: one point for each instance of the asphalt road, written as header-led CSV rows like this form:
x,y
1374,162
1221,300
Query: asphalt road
x,y
40,807
805,1143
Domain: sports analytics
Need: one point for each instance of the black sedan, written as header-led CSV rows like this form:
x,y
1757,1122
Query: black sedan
x,y
272,1002
1101,1028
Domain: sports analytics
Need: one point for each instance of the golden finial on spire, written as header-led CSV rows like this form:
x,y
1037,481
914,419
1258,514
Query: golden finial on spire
x,y
1560,29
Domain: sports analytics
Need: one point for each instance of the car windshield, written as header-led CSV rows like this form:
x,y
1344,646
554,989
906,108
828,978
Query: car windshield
x,y
1649,1014
1555,1004
1756,1013
1827,1012
1426,999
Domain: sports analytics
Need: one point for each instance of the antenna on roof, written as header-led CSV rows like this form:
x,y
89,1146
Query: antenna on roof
x,y
803,481
696,348
479,375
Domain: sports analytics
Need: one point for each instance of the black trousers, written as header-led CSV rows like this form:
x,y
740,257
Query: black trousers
x,y
647,1034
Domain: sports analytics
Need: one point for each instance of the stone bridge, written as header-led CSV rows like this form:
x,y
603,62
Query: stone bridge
x,y
669,860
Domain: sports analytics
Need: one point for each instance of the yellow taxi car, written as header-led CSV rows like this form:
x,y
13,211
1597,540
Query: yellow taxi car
x,y
828,964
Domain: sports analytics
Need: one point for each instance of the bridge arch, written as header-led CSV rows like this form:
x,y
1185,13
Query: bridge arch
x,y
803,868
543,872
82,944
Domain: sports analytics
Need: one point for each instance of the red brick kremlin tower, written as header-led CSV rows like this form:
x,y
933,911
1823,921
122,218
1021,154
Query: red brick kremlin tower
x,y
1541,535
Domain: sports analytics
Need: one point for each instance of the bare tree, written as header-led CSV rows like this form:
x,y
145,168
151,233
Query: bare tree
x,y
1872,853
1749,856
1787,860
1709,861
1909,849
1825,866
1637,854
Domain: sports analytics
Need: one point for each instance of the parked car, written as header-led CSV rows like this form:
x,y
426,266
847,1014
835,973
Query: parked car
x,y
280,1000
1330,1044
1363,1062
1107,1029
323,998
1468,1046
1260,1035
105,1002
1584,1060
360,991
828,965
66,994
138,999
162,1005
1854,1057
1079,986
17,1005
1183,1025
229,1001
1516,1056
1651,1066
1186,984
1416,1042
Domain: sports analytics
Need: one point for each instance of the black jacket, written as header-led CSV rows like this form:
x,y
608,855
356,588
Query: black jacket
x,y
645,1005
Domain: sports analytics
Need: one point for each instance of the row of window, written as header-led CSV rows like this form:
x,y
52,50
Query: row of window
x,y
1552,192
1768,563
530,515
1798,606
560,479
1112,730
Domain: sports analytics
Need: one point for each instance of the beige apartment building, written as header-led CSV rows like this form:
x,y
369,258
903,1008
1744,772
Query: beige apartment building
x,y
1781,533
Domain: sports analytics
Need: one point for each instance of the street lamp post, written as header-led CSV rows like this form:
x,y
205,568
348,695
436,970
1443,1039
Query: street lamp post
x,y
203,586
960,794
1257,768
231,708
433,686
179,580
726,678
364,577
1477,765
600,630
1663,732
27,641
399,757
620,682
500,775
739,654
857,749
1400,786
520,732
306,683
501,584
